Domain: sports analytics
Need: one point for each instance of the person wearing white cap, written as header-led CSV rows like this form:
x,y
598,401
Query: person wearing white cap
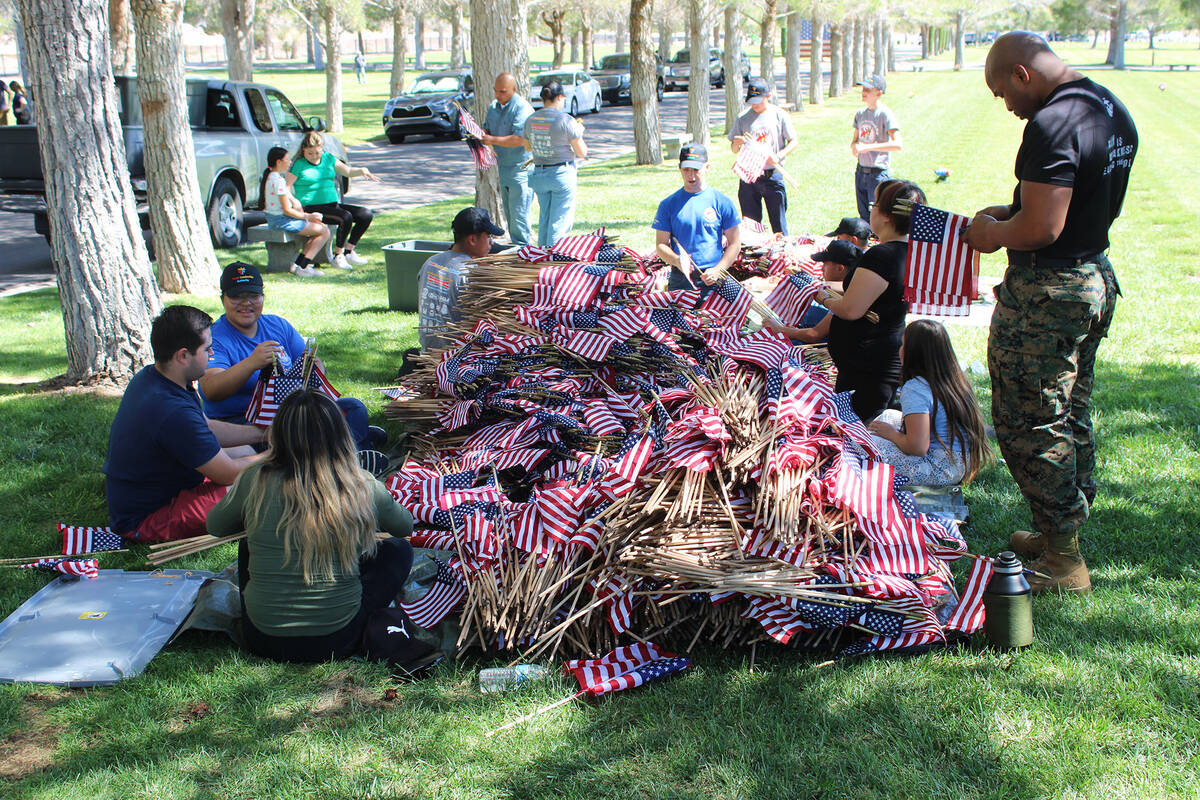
x,y
690,223
876,137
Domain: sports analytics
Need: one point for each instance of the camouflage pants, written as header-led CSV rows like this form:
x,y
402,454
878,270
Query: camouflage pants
x,y
1046,328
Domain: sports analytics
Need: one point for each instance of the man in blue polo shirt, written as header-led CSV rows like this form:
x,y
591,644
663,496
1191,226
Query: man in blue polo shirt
x,y
246,341
505,122
167,463
690,224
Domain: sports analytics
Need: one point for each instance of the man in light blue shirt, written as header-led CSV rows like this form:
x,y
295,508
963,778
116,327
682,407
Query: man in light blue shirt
x,y
690,224
505,122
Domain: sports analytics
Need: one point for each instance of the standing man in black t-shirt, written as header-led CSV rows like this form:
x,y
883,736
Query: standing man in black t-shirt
x,y
1058,294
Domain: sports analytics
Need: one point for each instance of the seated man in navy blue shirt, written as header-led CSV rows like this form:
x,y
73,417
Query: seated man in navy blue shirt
x,y
167,463
246,341
689,226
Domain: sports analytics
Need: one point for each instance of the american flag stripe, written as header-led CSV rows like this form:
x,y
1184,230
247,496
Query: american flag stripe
x,y
77,567
581,247
780,621
940,265
792,297
751,162
729,303
969,616
618,662
686,298
625,323
78,539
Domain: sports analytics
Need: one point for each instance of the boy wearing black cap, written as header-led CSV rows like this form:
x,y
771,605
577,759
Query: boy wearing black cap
x,y
442,276
689,225
768,125
876,137
836,260
855,230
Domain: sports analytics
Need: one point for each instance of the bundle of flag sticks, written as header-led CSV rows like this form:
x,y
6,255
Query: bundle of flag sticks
x,y
609,463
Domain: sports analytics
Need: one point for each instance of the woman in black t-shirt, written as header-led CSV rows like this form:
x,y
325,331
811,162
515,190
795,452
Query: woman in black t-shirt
x,y
867,354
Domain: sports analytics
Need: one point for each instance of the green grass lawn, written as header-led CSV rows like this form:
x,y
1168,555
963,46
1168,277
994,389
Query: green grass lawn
x,y
1103,705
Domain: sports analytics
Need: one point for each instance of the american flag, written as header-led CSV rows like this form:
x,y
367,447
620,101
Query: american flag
x,y
78,567
942,272
751,162
269,393
485,157
969,616
79,539
779,620
446,592
851,425
581,247
577,285
729,303
624,668
792,297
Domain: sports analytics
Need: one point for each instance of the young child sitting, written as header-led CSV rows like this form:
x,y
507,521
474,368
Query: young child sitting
x,y
836,260
285,213
937,438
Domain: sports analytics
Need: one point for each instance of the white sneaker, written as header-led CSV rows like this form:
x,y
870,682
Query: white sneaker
x,y
340,262
306,272
354,258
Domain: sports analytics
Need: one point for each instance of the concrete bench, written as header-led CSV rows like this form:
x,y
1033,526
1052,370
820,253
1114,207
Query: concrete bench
x,y
282,247
1185,67
788,107
672,144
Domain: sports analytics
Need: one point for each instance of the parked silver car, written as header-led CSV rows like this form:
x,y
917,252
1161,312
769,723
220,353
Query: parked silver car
x,y
613,75
428,108
582,90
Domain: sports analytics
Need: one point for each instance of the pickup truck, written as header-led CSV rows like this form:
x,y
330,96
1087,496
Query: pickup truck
x,y
233,126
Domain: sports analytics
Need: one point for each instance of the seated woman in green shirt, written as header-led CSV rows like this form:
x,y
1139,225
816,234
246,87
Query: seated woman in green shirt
x,y
314,179
310,569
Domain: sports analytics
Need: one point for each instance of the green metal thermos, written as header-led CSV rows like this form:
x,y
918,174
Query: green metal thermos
x,y
1008,604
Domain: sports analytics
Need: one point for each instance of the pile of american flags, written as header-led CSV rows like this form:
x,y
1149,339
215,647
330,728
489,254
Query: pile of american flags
x,y
609,463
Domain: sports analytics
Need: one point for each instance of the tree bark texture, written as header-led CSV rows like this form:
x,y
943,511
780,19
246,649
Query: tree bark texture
x,y
856,51
182,244
458,49
835,59
889,46
586,34
333,66
399,47
120,31
924,41
237,26
816,91
880,65
864,45
1116,36
848,54
793,81
575,38
556,20
766,42
698,89
643,84
735,91
419,38
959,55
105,284
665,33
497,45
622,35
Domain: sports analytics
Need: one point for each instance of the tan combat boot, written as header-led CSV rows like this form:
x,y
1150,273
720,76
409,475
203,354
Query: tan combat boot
x,y
1027,544
1063,567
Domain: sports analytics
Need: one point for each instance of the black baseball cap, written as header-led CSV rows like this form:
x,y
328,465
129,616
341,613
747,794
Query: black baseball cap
x,y
839,252
241,278
853,226
693,156
473,220
756,88
874,82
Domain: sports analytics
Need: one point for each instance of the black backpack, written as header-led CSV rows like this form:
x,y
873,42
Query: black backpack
x,y
392,637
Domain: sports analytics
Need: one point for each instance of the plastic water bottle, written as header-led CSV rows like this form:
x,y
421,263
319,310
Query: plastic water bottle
x,y
501,679
1008,604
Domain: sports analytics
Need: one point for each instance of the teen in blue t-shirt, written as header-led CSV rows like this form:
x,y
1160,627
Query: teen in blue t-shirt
x,y
691,223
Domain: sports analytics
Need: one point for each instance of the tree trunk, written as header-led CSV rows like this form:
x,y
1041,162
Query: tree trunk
x,y
498,44
182,247
848,27
735,92
270,42
419,39
120,29
105,284
458,50
643,84
333,66
959,40
835,60
880,49
237,26
889,46
575,50
924,41
766,42
587,34
622,35
399,47
698,90
665,34
793,85
864,47
816,93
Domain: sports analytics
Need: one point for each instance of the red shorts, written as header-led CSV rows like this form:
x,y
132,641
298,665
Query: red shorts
x,y
182,517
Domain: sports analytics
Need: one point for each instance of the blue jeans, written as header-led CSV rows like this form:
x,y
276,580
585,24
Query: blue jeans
x,y
555,189
768,189
865,181
517,197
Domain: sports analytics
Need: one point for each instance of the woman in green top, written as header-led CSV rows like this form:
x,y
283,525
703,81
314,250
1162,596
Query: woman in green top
x,y
314,181
310,569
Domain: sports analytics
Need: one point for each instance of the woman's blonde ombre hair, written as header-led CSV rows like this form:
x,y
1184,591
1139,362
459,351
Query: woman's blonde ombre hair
x,y
328,509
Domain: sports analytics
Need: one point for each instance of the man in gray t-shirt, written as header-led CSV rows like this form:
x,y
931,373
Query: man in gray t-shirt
x,y
876,137
556,139
442,276
764,125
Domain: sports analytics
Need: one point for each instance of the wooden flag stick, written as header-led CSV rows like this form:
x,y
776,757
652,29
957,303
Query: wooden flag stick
x,y
538,713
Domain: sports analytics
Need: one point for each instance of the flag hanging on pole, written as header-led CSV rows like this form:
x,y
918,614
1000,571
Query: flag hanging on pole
x,y
942,272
